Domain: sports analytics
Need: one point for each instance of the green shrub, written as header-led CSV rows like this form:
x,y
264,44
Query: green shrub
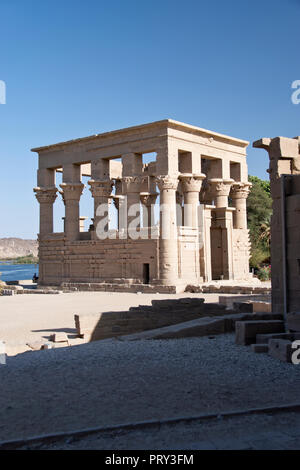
x,y
264,273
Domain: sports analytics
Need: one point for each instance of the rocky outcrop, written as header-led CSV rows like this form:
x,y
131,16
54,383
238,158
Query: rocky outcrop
x,y
15,247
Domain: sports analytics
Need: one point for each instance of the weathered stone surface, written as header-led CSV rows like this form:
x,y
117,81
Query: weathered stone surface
x,y
281,349
246,331
293,321
60,337
260,348
261,306
265,338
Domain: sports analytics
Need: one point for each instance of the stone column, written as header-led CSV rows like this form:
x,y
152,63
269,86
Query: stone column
x,y
179,208
118,200
191,185
71,193
168,250
148,201
131,187
239,194
220,189
101,192
46,198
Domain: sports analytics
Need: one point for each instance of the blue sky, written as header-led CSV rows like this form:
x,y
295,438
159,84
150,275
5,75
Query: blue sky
x,y
74,68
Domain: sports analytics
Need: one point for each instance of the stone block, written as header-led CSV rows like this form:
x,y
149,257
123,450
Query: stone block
x,y
285,147
60,337
246,331
281,349
293,321
261,307
244,307
260,348
264,338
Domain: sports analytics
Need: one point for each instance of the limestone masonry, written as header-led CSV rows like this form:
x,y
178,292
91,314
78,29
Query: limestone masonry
x,y
284,170
187,186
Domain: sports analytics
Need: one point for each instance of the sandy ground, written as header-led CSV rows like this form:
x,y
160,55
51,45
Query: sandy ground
x,y
27,318
114,382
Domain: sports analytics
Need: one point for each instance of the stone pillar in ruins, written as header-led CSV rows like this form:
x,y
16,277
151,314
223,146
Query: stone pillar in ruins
x,y
71,193
284,159
46,198
191,186
239,194
168,251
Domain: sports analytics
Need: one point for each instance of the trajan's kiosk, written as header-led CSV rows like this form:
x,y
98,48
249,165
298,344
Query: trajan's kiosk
x,y
196,187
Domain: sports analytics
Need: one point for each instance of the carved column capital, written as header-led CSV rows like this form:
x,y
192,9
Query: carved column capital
x,y
240,190
191,182
167,182
101,188
220,187
71,191
148,199
45,195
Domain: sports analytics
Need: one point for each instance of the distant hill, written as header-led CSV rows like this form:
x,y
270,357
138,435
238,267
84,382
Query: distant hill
x,y
16,247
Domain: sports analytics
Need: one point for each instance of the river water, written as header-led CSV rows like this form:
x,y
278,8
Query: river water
x,y
17,272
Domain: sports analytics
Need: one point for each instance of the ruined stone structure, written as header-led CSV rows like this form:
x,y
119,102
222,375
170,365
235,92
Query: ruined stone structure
x,y
284,173
195,174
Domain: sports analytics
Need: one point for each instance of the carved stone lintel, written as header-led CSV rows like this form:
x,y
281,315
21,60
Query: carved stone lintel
x,y
132,184
71,191
240,190
167,182
46,195
101,188
191,182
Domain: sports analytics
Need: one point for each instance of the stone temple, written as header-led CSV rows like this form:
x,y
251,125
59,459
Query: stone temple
x,y
178,193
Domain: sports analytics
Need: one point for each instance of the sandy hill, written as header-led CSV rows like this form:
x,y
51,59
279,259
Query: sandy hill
x,y
15,247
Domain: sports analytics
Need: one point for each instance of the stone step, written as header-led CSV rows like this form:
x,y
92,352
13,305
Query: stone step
x,y
260,348
264,338
246,331
281,349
